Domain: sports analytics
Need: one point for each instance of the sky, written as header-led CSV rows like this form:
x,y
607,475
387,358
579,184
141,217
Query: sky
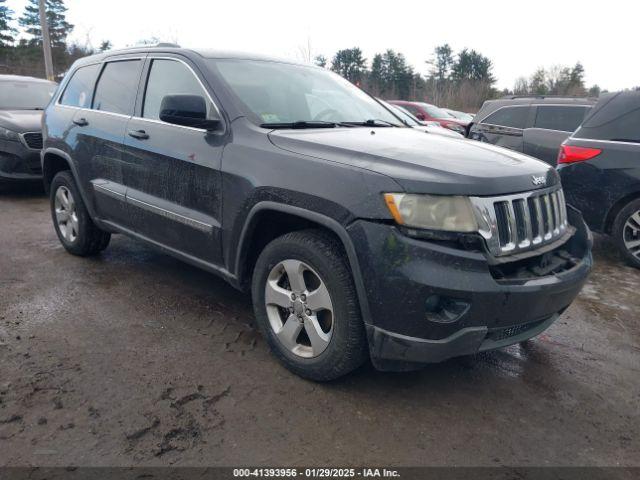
x,y
517,36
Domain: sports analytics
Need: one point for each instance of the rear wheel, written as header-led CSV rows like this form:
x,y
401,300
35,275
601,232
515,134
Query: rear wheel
x,y
626,232
75,229
306,306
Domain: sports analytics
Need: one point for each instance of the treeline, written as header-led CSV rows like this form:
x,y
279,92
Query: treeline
x,y
24,56
462,81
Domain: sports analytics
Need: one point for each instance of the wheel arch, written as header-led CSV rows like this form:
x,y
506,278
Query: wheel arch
x,y
615,210
290,218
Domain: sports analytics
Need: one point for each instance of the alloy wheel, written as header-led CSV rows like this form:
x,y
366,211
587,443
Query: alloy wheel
x,y
299,308
66,214
631,234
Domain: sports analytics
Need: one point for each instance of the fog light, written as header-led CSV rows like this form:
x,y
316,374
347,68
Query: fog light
x,y
445,309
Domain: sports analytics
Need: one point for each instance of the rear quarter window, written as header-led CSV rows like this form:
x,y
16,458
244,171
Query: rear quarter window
x,y
79,90
558,117
514,117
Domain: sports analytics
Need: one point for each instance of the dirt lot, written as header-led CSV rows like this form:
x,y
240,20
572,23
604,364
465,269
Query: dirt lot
x,y
134,358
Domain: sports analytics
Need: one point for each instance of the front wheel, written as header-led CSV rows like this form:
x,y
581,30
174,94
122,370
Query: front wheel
x,y
306,305
74,227
626,232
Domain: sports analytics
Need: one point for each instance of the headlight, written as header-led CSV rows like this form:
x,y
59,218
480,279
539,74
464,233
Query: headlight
x,y
432,212
6,134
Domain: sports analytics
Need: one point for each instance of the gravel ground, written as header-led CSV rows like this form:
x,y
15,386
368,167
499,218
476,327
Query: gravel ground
x,y
134,358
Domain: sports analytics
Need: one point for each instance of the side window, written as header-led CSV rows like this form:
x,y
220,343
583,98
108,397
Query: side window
x,y
411,108
514,117
117,86
563,118
170,77
80,88
624,127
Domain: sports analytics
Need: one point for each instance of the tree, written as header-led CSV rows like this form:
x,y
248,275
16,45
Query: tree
x,y
473,66
538,82
105,45
594,91
320,61
7,32
59,28
442,62
521,86
350,64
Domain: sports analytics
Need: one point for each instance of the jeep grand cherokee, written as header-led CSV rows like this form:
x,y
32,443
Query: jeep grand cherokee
x,y
358,238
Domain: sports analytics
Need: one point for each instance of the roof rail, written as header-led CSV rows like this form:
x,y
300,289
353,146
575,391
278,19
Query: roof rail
x,y
514,97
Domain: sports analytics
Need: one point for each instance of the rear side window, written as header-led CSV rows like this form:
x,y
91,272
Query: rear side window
x,y
117,86
169,77
80,88
563,118
515,117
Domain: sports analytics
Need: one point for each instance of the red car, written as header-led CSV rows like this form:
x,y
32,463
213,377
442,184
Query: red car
x,y
430,113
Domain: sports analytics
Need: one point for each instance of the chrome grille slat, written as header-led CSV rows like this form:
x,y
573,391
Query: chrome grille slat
x,y
520,222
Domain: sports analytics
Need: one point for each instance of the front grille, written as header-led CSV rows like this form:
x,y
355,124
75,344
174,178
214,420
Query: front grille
x,y
33,140
521,222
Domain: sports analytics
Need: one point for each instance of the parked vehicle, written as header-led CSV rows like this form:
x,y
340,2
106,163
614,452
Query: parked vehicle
x,y
22,100
600,169
535,125
411,121
465,117
355,238
427,112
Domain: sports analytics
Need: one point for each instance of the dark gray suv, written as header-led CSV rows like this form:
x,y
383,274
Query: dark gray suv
x,y
357,237
534,125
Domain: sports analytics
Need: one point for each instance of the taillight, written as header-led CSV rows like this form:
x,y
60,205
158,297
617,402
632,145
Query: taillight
x,y
571,154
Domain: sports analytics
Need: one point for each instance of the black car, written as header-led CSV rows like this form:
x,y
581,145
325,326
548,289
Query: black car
x,y
355,238
535,126
22,100
600,169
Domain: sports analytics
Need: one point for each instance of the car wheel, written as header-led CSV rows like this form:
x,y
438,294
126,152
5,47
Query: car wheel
x,y
75,229
306,306
626,232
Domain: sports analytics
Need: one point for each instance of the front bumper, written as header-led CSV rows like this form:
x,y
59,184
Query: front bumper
x,y
18,162
485,306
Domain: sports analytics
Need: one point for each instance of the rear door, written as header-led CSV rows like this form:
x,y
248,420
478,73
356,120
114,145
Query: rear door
x,y
172,172
552,125
504,127
100,132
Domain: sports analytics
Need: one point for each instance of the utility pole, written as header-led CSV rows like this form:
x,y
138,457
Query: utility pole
x,y
46,41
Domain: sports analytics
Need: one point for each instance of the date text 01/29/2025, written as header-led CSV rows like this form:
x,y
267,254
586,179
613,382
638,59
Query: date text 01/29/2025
x,y
315,473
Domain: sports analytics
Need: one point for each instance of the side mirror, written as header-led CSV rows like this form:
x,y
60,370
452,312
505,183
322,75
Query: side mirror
x,y
188,111
421,116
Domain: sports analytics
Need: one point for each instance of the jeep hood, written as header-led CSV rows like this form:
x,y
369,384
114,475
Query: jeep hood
x,y
422,163
21,121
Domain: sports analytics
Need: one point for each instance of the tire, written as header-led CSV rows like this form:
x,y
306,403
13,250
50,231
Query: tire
x,y
73,225
626,232
341,346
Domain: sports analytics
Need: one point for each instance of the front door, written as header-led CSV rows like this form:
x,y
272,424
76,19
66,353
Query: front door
x,y
172,172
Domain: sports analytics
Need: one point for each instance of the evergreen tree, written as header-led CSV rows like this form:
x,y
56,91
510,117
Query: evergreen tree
x,y
320,61
59,28
105,45
349,63
7,32
442,62
473,66
538,82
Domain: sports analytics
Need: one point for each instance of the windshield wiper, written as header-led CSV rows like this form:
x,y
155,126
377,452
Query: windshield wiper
x,y
301,124
373,122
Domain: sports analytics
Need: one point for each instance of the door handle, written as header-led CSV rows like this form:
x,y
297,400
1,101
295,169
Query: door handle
x,y
81,122
139,134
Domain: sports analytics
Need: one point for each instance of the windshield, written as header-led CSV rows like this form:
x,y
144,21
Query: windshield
x,y
280,93
25,95
434,111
